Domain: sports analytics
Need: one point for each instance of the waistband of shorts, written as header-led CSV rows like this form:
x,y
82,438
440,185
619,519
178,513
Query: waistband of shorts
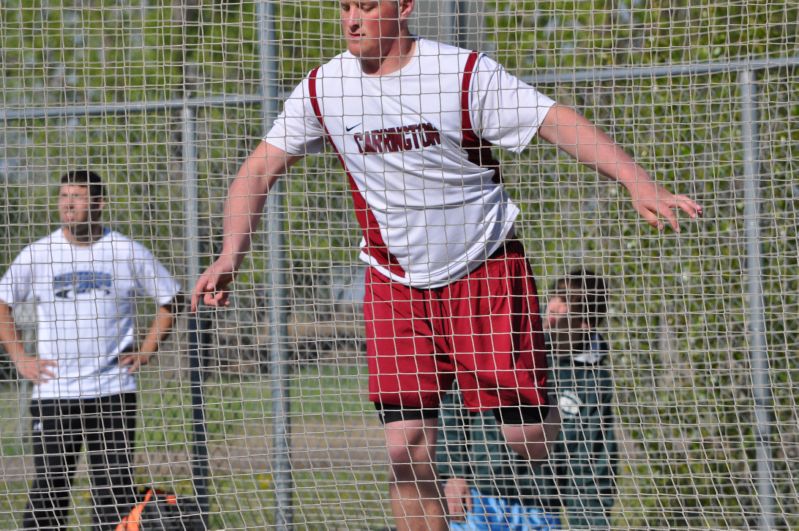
x,y
508,245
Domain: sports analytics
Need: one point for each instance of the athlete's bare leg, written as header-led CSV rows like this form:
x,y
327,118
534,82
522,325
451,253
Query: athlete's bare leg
x,y
532,441
416,499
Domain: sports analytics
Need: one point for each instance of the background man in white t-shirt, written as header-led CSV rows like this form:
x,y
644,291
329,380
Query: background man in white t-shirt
x,y
449,293
85,281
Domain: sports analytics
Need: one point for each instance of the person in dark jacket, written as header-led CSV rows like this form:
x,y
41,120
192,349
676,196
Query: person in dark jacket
x,y
488,487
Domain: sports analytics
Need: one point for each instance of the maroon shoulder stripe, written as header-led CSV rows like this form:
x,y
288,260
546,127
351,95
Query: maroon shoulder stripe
x,y
477,149
469,138
314,100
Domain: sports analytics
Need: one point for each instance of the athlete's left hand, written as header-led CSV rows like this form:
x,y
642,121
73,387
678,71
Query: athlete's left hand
x,y
135,360
458,498
654,203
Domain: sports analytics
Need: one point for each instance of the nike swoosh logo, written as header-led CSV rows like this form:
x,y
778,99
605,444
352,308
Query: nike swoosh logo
x,y
348,129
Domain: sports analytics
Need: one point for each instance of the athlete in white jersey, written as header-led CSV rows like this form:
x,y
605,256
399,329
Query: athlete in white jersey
x,y
84,281
449,294
437,210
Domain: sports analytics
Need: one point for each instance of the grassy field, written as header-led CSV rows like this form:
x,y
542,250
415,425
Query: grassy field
x,y
337,454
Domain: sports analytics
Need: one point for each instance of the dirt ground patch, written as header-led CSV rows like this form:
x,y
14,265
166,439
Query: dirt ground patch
x,y
327,445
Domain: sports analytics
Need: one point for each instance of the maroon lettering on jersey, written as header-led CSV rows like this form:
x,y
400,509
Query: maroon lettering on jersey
x,y
396,139
431,136
407,141
393,141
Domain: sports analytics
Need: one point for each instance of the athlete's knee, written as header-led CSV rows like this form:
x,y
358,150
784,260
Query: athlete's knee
x,y
410,447
409,462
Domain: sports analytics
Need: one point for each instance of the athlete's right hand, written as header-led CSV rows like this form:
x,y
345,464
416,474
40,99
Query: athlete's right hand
x,y
34,369
459,498
212,285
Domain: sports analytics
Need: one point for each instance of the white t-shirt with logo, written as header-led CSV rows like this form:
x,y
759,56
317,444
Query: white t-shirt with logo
x,y
85,298
436,211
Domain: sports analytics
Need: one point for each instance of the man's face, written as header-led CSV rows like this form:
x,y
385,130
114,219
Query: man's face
x,y
371,27
76,208
567,332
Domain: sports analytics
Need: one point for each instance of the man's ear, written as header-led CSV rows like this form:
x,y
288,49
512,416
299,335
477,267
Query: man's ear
x,y
406,9
98,205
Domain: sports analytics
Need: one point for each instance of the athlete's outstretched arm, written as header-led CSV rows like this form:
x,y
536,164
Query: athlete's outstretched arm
x,y
243,209
573,133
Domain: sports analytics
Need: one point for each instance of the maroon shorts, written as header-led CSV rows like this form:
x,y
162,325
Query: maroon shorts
x,y
483,330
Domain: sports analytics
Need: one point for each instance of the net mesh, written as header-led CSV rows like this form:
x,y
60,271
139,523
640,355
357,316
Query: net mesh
x,y
166,99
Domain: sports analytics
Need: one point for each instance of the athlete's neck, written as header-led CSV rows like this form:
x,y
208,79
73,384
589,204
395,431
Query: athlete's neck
x,y
83,235
400,54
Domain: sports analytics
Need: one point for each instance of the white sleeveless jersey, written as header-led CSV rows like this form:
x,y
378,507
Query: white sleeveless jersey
x,y
415,145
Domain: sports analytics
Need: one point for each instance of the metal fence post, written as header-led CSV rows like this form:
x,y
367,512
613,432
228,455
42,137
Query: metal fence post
x,y
761,384
278,294
199,453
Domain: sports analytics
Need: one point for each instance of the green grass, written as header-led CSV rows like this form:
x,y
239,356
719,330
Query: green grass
x,y
324,399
